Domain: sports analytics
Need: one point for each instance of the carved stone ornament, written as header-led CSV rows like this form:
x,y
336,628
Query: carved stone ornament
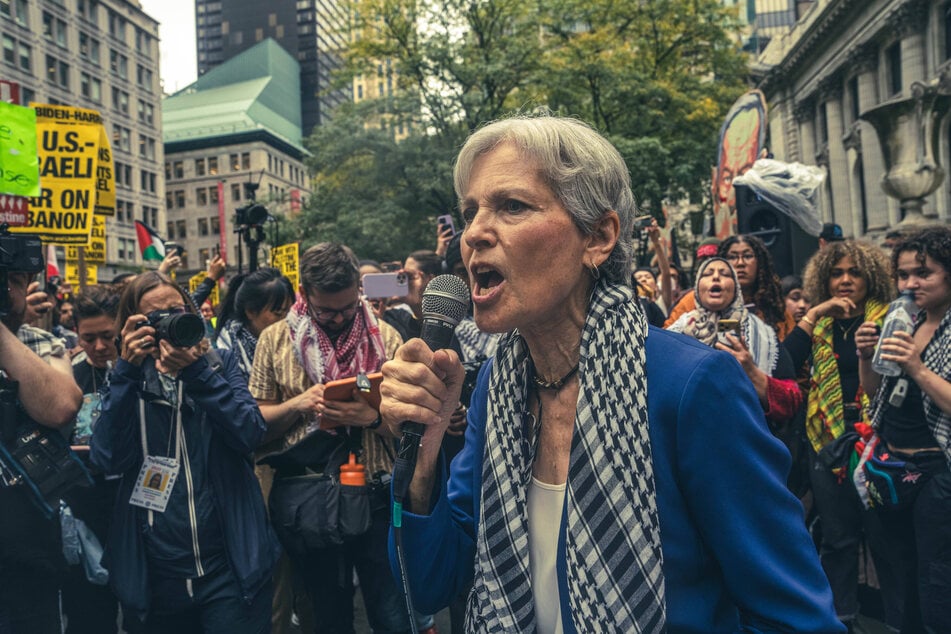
x,y
852,139
910,18
805,110
822,155
862,59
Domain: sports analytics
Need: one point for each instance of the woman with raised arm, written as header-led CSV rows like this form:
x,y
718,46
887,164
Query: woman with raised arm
x,y
912,414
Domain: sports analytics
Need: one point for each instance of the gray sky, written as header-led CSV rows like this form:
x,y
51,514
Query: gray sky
x,y
177,32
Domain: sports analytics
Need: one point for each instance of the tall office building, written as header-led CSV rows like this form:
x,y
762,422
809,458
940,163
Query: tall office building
x,y
314,32
102,55
239,124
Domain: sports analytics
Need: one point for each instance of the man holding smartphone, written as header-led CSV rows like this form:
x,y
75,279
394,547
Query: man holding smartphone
x,y
330,334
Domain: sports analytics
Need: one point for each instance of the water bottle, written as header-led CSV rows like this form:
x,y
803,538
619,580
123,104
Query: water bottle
x,y
352,473
900,318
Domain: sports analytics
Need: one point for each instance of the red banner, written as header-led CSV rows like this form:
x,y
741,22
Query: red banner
x,y
222,233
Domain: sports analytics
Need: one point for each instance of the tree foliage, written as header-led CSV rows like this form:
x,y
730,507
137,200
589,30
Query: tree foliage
x,y
656,76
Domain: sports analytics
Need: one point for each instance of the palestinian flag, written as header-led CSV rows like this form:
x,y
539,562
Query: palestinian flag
x,y
150,244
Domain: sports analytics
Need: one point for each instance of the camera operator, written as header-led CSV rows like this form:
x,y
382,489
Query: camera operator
x,y
189,547
30,550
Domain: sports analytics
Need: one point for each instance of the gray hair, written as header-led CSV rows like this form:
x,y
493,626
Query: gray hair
x,y
585,172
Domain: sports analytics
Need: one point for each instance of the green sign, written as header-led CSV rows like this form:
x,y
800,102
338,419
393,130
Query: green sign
x,y
19,165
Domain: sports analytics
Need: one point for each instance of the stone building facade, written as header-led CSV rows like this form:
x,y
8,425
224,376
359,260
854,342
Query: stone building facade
x,y
841,59
102,55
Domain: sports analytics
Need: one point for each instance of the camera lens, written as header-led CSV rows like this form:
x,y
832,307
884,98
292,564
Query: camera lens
x,y
182,330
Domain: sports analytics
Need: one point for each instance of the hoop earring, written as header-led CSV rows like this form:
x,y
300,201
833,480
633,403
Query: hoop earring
x,y
595,271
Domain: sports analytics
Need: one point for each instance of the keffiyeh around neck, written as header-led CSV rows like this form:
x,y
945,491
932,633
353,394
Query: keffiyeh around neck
x,y
359,349
701,323
613,547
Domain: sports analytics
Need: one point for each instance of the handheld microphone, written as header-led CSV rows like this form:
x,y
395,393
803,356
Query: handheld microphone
x,y
445,303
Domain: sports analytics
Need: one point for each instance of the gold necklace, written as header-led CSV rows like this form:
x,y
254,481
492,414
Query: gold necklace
x,y
845,331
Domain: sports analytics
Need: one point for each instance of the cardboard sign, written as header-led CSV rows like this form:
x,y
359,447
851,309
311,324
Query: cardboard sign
x,y
19,164
286,258
69,153
195,281
105,177
96,249
72,274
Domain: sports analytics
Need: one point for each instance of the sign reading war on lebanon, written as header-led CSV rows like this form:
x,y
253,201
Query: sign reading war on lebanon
x,y
69,157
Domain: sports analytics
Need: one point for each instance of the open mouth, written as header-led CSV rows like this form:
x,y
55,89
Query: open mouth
x,y
486,279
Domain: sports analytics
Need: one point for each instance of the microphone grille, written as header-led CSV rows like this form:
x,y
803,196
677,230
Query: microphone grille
x,y
446,296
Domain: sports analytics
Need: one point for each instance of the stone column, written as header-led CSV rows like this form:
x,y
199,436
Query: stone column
x,y
911,20
830,91
882,210
805,113
852,142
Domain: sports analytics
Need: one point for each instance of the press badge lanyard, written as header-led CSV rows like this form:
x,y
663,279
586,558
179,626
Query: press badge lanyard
x,y
157,476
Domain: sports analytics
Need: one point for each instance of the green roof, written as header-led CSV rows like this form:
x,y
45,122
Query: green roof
x,y
257,90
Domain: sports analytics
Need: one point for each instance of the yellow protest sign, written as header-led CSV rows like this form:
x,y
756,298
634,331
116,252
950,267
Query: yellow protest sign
x,y
19,164
195,281
96,249
287,258
105,177
68,153
72,274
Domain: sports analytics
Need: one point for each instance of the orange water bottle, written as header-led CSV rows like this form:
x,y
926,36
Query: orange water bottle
x,y
353,474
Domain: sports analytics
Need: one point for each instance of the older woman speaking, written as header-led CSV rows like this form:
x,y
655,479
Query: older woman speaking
x,y
615,477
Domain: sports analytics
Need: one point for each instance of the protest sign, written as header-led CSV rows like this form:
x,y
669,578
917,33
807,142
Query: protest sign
x,y
286,258
105,177
19,164
195,281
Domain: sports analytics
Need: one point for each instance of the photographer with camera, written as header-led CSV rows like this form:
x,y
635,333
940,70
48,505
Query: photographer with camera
x,y
190,549
36,383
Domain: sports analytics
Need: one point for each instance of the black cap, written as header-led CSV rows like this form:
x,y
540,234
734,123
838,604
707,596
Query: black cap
x,y
831,232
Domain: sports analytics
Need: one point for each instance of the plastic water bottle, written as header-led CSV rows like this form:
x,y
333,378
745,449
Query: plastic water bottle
x,y
900,318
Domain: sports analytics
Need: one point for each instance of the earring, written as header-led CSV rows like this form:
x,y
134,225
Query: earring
x,y
595,271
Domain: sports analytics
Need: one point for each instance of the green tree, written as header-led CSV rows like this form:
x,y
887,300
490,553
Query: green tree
x,y
656,76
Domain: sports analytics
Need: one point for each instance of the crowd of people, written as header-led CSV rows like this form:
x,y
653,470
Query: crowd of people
x,y
583,467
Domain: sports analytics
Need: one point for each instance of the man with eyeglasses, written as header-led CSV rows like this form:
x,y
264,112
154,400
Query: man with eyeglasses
x,y
330,333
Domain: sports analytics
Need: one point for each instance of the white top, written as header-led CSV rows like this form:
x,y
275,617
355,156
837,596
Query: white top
x,y
545,504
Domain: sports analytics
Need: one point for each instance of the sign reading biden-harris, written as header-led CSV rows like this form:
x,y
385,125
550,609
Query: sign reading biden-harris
x,y
68,140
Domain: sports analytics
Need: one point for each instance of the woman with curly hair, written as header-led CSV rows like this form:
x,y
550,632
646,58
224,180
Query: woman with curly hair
x,y
849,283
916,427
758,279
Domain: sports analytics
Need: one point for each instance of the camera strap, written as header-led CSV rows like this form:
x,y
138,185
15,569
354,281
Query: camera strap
x,y
158,474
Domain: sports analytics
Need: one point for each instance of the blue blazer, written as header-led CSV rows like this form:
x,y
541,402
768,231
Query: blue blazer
x,y
737,556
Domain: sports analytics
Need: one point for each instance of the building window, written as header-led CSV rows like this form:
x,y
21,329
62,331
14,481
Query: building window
x,y
117,25
180,199
120,100
235,162
170,230
180,227
89,48
178,169
202,227
893,69
199,167
215,226
213,195
143,77
9,50
235,192
245,160
201,196
26,63
213,165
146,147
118,64
146,112
57,72
169,200
90,87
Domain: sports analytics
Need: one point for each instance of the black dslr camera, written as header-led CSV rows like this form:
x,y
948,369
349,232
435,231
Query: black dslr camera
x,y
18,252
181,329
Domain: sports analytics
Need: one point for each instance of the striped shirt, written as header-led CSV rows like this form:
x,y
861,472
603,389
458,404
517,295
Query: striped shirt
x,y
278,376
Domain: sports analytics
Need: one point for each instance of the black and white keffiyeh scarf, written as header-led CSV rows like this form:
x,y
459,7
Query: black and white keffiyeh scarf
x,y
937,358
236,337
614,559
